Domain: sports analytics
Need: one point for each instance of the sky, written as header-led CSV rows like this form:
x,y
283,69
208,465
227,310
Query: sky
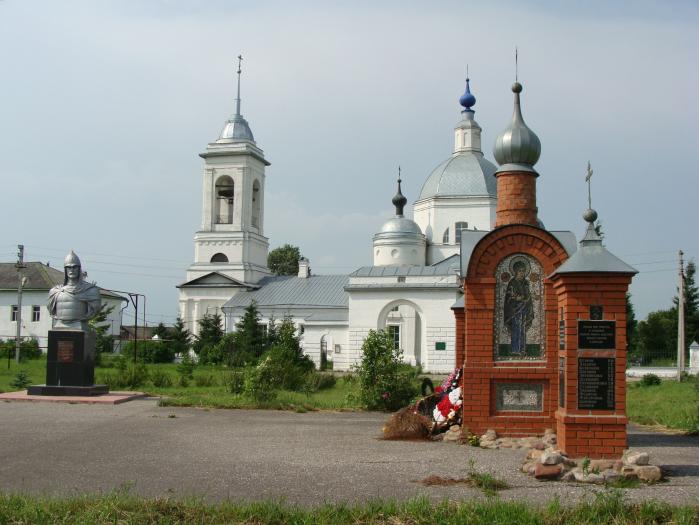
x,y
106,104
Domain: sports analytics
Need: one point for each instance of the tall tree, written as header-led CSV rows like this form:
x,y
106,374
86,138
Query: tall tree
x,y
284,260
181,337
210,332
104,342
250,336
631,325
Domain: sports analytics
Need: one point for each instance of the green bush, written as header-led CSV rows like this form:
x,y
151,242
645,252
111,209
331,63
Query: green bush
x,y
204,380
316,381
28,349
217,353
21,380
650,380
160,378
150,351
234,381
259,383
185,368
385,383
126,375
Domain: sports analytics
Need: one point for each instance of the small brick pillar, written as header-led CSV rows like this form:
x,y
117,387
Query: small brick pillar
x,y
591,416
516,198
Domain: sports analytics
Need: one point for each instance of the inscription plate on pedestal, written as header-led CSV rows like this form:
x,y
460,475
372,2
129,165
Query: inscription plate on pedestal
x,y
65,352
597,335
596,383
561,381
519,397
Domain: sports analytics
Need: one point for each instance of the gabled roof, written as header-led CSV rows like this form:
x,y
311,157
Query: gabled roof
x,y
39,276
213,280
289,290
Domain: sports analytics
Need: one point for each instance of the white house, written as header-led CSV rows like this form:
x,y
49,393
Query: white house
x,y
409,289
36,321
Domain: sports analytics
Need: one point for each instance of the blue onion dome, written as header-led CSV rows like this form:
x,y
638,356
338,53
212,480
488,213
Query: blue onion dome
x,y
517,148
467,100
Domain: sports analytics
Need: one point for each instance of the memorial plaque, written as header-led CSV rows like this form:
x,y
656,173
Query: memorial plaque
x,y
519,397
596,383
561,381
562,334
596,335
596,312
65,352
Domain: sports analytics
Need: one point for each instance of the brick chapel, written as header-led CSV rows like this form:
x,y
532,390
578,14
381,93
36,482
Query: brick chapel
x,y
541,332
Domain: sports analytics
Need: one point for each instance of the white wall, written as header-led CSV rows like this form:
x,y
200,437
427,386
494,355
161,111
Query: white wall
x,y
369,306
40,329
435,215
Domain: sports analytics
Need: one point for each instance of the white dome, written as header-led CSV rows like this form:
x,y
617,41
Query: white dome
x,y
464,174
400,225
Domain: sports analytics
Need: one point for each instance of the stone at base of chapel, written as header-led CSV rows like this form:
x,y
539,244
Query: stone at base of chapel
x,y
541,335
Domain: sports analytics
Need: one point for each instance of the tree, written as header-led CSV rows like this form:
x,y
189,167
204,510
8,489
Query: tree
x,y
284,260
180,337
250,339
657,336
104,342
161,331
631,325
691,296
210,332
384,381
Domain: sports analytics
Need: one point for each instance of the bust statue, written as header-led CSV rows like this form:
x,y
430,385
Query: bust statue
x,y
75,301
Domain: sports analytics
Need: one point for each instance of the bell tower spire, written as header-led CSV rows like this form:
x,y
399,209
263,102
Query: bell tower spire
x,y
237,99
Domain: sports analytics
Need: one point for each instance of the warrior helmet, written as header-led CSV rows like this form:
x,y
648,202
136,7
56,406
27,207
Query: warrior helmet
x,y
72,260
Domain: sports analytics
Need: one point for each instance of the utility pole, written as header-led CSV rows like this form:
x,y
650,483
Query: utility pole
x,y
20,266
680,322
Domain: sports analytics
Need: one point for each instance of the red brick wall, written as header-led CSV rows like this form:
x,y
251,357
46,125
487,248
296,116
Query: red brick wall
x,y
592,433
481,372
516,198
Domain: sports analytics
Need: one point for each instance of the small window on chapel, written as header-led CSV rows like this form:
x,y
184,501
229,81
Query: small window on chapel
x,y
219,258
458,228
36,313
445,237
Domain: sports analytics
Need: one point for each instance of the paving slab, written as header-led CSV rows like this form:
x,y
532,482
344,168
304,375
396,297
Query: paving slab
x,y
309,459
112,398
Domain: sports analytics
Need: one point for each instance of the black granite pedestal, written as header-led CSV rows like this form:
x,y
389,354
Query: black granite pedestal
x,y
70,365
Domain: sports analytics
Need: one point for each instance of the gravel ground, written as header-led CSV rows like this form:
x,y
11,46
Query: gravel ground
x,y
311,458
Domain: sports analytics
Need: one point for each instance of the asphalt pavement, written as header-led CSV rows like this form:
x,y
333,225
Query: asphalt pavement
x,y
311,458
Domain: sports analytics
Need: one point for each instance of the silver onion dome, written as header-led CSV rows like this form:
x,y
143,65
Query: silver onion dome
x,y
517,148
235,129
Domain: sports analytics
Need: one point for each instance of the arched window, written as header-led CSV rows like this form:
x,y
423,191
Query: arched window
x,y
445,237
458,228
224,200
219,258
256,204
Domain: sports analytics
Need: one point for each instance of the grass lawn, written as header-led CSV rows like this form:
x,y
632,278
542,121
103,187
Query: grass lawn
x,y
670,404
606,507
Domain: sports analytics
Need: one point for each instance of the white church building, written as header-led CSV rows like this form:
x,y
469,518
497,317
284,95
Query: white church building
x,y
409,289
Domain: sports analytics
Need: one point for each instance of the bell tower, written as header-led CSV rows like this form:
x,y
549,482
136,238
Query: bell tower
x,y
231,237
230,249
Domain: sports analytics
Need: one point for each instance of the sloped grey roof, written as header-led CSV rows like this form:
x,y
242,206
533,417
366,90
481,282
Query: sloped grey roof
x,y
460,302
449,264
316,290
339,315
461,175
39,277
400,271
593,257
